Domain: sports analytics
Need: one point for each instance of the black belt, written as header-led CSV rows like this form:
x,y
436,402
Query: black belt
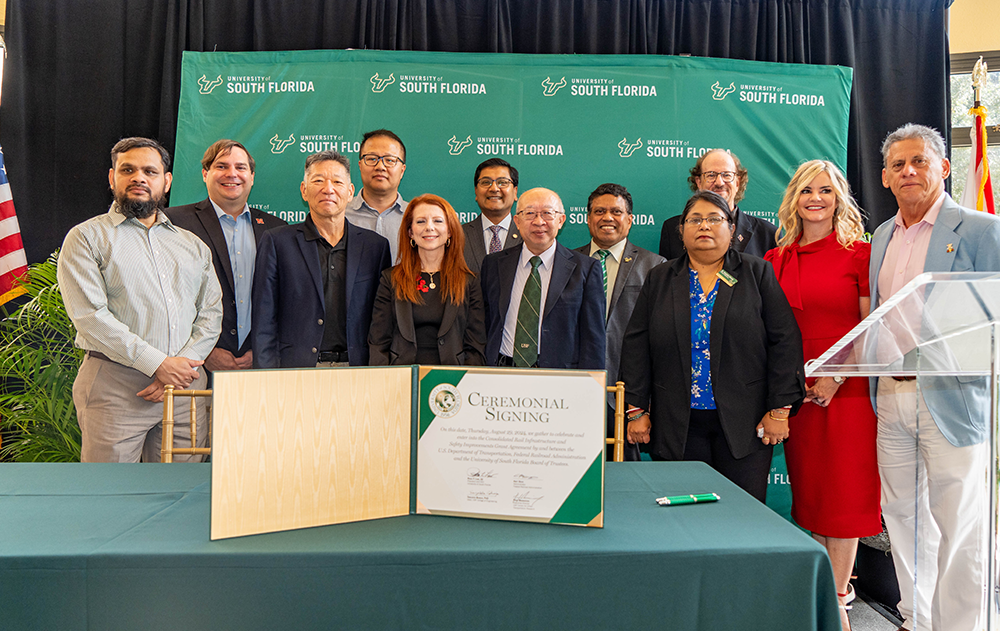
x,y
903,378
99,355
508,362
336,357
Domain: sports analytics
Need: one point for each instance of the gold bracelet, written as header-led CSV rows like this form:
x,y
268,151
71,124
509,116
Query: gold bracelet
x,y
777,418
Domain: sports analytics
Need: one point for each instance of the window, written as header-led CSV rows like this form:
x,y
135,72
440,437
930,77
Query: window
x,y
962,100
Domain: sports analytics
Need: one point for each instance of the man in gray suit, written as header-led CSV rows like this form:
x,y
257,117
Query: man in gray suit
x,y
492,231
625,266
931,233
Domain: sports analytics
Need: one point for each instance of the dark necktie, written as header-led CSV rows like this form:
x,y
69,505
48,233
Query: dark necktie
x,y
603,254
528,315
495,245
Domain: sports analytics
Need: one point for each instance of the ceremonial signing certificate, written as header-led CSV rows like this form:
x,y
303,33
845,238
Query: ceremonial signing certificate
x,y
525,445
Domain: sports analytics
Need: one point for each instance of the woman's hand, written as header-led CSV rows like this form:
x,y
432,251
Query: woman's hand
x,y
775,430
822,391
638,430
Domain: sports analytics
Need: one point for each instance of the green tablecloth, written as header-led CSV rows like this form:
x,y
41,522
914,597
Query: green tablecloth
x,y
90,546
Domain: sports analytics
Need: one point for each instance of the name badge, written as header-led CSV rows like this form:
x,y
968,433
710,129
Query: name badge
x,y
727,278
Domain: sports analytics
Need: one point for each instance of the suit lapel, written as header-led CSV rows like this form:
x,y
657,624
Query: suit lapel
x,y
311,257
629,255
513,237
879,245
722,299
944,239
507,268
448,319
681,302
744,231
404,320
474,234
562,268
210,221
355,254
258,226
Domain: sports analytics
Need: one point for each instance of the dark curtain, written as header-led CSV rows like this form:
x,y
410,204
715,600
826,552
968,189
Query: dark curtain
x,y
81,75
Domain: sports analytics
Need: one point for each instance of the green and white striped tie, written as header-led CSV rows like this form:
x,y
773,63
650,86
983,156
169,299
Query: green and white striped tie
x,y
528,315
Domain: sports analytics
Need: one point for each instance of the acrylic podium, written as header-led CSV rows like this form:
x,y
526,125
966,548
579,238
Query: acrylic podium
x,y
940,336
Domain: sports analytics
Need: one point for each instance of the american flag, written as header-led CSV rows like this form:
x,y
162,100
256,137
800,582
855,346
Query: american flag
x,y
13,262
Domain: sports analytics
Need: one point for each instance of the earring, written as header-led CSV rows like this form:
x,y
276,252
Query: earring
x,y
413,243
447,243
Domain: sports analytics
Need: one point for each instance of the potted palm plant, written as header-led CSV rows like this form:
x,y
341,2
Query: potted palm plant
x,y
38,363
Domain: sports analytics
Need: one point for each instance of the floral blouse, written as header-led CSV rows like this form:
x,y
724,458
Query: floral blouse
x,y
702,397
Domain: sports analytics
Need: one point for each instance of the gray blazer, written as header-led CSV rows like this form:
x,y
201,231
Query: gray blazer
x,y
635,265
962,240
475,249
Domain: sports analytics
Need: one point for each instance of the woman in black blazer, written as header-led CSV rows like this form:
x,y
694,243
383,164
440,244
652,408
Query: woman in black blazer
x,y
429,306
712,357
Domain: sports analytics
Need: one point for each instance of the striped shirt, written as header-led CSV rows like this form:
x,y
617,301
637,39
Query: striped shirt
x,y
140,295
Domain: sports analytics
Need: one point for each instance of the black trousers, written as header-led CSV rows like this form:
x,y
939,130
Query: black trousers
x,y
706,443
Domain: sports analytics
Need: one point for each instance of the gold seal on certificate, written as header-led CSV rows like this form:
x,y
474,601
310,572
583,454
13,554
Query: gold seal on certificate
x,y
512,444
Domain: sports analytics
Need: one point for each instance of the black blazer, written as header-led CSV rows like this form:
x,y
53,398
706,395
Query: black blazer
x,y
475,249
756,354
573,316
392,339
288,298
753,235
202,220
635,265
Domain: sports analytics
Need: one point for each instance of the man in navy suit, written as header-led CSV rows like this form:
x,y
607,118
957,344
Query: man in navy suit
x,y
570,326
315,283
232,230
933,476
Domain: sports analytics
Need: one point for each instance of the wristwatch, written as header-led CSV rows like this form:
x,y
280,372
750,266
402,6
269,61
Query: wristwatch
x,y
839,380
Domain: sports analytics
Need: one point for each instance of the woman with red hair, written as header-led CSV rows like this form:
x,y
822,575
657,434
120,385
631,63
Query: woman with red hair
x,y
429,307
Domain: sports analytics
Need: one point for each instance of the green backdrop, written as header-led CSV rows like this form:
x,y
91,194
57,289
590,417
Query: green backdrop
x,y
566,122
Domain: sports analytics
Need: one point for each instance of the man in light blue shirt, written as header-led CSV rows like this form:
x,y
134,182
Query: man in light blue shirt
x,y
378,206
231,229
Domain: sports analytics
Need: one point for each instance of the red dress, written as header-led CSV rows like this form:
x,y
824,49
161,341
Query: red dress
x,y
831,456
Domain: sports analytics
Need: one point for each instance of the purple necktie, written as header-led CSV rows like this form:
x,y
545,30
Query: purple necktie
x,y
495,241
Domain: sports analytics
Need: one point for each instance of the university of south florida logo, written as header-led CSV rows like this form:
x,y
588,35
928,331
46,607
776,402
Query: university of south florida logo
x,y
445,400
205,86
379,85
719,92
627,148
456,147
549,88
278,145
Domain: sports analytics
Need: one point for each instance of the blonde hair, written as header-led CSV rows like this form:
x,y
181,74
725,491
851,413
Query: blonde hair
x,y
848,221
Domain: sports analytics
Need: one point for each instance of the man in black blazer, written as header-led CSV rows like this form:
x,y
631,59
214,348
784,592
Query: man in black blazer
x,y
571,322
226,223
493,230
752,236
609,218
316,281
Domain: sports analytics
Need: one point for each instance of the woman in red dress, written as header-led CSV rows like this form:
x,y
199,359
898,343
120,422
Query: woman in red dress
x,y
822,265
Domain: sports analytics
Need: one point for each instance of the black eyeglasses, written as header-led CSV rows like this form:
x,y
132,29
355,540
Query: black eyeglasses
x,y
501,182
389,161
711,176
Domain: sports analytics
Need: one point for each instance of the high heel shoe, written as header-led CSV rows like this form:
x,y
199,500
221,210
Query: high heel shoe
x,y
844,600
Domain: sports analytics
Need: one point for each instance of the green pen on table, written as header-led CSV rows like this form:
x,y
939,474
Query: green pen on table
x,y
677,500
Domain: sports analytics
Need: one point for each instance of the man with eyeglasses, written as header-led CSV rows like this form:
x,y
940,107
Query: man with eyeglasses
x,y
378,206
624,267
720,171
544,302
933,475
496,191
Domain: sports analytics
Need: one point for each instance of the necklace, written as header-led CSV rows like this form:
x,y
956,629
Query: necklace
x,y
432,285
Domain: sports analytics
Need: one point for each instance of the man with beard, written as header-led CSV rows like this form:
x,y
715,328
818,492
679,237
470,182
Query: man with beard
x,y
147,307
720,171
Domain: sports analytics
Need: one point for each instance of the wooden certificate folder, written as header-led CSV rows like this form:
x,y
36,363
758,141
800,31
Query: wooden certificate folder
x,y
309,447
